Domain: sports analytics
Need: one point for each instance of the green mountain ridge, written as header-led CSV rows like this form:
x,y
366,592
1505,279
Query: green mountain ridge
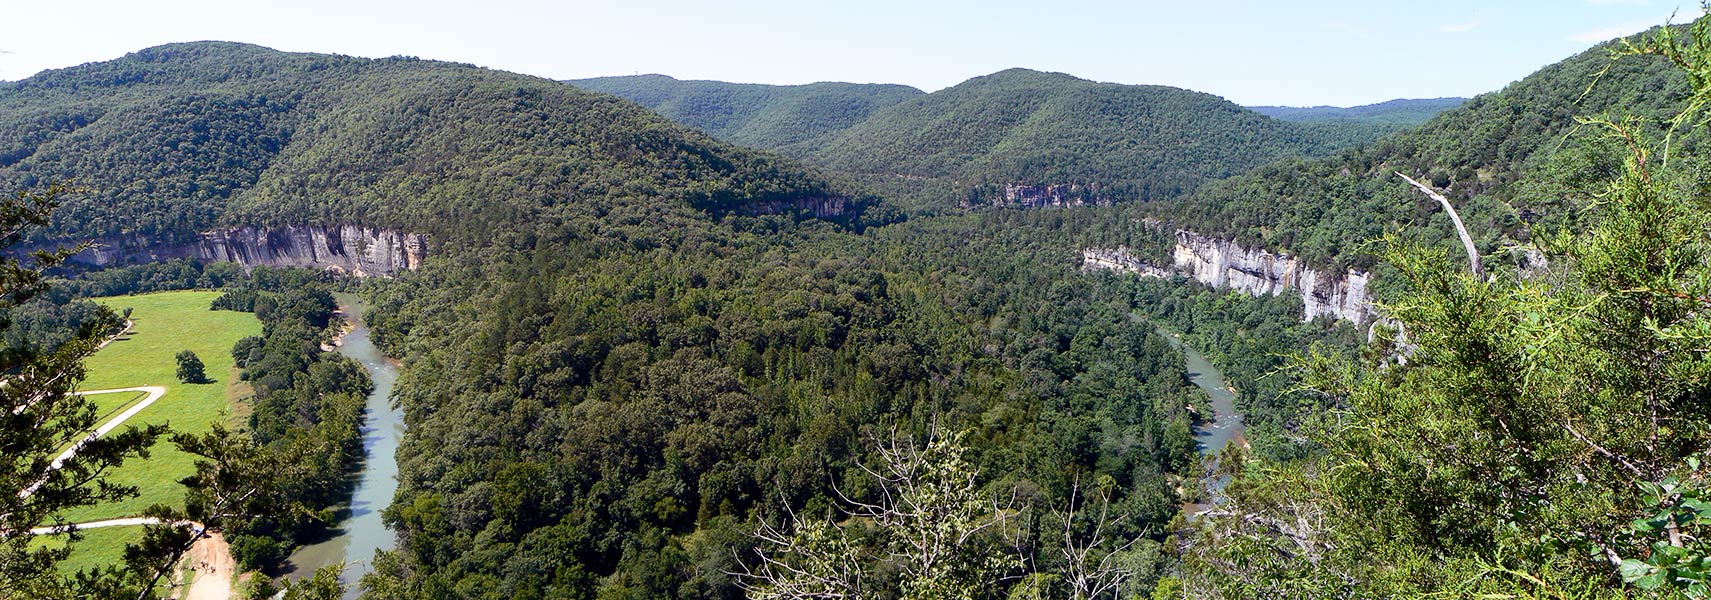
x,y
633,344
1401,112
1515,160
180,138
789,119
1119,142
1047,137
617,359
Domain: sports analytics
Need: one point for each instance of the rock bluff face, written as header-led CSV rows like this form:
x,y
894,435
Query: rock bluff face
x,y
361,251
821,207
1225,264
1020,195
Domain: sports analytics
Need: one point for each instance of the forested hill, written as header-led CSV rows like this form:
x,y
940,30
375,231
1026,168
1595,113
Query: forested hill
x,y
1359,125
1514,161
1402,112
790,119
1116,142
625,369
180,138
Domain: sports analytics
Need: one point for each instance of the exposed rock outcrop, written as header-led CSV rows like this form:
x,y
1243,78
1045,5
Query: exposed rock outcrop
x,y
1225,264
821,207
1019,195
361,251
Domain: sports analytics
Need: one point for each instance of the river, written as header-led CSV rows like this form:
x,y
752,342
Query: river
x,y
361,533
1226,424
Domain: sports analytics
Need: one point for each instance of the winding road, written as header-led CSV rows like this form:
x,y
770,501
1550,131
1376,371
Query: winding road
x,y
154,393
210,555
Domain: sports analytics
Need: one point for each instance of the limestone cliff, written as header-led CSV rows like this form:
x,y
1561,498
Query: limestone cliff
x,y
1019,195
821,207
357,250
1225,264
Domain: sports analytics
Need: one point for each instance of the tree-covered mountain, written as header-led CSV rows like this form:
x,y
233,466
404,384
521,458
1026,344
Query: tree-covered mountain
x,y
620,360
1101,142
1545,435
1399,113
1361,125
177,139
790,119
1512,160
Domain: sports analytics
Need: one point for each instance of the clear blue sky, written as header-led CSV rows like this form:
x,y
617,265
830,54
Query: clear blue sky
x,y
1339,52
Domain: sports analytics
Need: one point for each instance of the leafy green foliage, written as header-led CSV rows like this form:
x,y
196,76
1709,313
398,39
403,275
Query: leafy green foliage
x,y
1360,125
1120,142
1506,157
1540,427
182,138
789,119
190,369
622,411
308,404
43,417
1683,509
1398,114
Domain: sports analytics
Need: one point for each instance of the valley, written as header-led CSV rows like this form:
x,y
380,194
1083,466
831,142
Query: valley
x,y
362,532
334,327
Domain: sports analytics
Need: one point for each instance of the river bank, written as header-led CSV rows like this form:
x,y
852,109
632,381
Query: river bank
x,y
362,533
1212,435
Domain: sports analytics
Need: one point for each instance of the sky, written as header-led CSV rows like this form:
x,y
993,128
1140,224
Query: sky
x,y
1305,53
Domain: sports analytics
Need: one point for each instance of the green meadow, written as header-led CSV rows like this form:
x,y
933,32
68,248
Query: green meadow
x,y
165,323
99,547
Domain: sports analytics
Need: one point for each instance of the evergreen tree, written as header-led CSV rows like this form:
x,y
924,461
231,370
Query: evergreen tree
x,y
42,416
1540,435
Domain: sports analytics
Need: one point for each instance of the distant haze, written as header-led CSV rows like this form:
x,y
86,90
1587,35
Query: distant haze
x,y
1339,52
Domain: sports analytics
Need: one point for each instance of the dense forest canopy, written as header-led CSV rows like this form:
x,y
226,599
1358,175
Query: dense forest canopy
x,y
1544,436
633,353
181,138
1125,142
790,119
614,371
1399,113
963,144
1508,158
589,417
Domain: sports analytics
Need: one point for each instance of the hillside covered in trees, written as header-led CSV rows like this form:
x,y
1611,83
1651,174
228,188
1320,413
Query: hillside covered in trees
x,y
1513,160
1023,129
1113,142
614,370
640,362
181,138
789,119
1399,113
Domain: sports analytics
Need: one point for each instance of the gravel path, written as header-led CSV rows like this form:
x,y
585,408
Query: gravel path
x,y
154,393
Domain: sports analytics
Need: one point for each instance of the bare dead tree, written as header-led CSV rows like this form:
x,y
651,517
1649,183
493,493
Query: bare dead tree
x,y
928,512
805,559
1473,264
1090,571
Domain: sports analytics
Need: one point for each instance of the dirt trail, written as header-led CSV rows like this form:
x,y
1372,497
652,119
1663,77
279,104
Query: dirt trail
x,y
211,559
97,525
154,393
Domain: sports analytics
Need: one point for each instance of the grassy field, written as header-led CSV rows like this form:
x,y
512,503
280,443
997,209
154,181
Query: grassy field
x,y
99,547
166,323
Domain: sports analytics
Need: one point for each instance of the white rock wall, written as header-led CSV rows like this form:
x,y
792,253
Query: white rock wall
x,y
362,251
1225,264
